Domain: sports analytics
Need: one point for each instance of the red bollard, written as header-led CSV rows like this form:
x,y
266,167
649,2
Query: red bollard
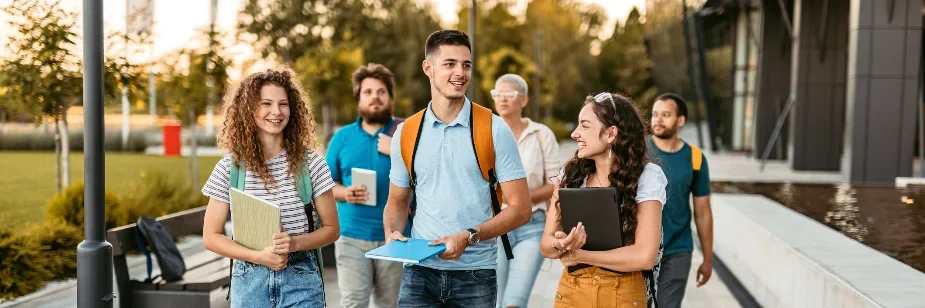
x,y
172,138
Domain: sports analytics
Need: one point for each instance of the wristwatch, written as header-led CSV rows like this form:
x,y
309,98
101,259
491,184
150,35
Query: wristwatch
x,y
473,236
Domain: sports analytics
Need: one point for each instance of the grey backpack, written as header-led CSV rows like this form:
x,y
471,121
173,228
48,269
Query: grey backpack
x,y
149,232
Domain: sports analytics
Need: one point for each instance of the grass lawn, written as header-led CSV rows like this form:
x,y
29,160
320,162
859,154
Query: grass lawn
x,y
28,180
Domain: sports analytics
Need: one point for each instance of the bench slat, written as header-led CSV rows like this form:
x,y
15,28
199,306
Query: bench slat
x,y
195,275
217,280
191,261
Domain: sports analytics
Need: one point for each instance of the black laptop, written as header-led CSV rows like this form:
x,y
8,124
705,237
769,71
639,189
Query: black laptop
x,y
598,209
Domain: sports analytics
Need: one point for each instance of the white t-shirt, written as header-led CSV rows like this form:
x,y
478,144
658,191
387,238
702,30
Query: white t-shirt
x,y
652,184
285,195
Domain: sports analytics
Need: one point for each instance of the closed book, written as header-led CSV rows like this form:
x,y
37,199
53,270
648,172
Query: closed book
x,y
254,220
413,251
365,178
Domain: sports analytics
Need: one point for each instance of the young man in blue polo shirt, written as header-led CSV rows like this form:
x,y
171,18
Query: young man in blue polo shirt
x,y
453,200
677,159
364,144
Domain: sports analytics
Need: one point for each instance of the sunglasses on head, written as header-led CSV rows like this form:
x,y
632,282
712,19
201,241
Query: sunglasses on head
x,y
600,97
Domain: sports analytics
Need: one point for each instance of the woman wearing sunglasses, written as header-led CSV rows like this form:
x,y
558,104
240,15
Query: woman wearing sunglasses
x,y
611,152
539,153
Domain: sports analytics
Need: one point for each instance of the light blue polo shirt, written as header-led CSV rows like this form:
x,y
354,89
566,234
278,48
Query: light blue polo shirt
x,y
452,196
352,147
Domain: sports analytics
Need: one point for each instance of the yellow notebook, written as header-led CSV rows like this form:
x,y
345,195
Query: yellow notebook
x,y
254,220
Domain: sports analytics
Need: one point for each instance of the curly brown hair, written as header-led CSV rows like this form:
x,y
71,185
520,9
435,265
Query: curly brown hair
x,y
375,71
240,134
629,157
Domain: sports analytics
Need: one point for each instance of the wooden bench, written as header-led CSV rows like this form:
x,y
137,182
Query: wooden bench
x,y
205,271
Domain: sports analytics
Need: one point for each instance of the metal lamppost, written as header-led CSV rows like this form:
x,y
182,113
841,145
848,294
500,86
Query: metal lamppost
x,y
94,254
472,82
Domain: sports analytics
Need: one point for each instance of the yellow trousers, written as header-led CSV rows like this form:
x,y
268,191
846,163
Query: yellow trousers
x,y
597,288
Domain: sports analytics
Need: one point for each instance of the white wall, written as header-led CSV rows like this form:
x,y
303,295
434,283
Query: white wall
x,y
786,259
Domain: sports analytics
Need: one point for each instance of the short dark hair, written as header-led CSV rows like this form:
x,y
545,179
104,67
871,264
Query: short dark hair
x,y
373,70
678,101
445,37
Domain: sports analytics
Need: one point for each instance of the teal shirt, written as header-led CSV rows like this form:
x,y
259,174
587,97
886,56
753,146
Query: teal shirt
x,y
676,216
352,147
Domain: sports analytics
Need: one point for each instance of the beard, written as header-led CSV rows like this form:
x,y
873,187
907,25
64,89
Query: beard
x,y
381,117
667,133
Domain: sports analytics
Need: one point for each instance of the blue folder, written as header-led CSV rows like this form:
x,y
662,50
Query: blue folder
x,y
413,251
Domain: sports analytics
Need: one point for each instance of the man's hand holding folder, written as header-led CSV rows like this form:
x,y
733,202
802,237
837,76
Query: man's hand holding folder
x,y
455,245
396,236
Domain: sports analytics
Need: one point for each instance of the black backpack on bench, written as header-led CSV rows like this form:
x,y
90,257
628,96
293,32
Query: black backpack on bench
x,y
149,232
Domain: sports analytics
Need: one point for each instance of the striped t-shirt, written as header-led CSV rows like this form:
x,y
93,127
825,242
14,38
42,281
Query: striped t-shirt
x,y
285,195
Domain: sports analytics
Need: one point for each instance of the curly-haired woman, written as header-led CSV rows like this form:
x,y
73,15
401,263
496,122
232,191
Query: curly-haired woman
x,y
611,152
269,132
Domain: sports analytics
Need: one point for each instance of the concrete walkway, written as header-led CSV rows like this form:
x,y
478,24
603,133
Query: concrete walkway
x,y
64,294
713,294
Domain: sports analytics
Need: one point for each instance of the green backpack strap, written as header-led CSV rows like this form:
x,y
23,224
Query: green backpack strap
x,y
235,180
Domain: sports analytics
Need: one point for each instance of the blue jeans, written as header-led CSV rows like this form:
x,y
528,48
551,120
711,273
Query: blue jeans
x,y
427,287
298,285
516,277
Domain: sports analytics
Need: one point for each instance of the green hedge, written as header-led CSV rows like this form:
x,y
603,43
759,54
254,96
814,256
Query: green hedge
x,y
39,141
68,207
32,257
42,253
137,141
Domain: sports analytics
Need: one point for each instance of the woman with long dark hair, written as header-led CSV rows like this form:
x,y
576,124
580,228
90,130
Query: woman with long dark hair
x,y
611,152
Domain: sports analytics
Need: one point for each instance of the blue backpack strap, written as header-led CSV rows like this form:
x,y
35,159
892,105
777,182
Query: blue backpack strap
x,y
142,245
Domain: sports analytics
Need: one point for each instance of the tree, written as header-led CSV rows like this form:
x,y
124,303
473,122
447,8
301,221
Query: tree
x,y
569,71
496,29
388,32
8,105
397,41
289,28
325,71
43,73
624,64
185,88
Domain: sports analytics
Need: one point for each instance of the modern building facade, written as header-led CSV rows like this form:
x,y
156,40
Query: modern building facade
x,y
835,83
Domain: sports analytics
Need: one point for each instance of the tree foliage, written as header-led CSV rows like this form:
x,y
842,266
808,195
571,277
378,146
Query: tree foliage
x,y
183,81
42,74
325,40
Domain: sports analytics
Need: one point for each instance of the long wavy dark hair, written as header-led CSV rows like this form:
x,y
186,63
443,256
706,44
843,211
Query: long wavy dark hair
x,y
629,156
240,132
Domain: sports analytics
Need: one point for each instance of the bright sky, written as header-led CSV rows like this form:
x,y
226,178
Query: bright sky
x,y
177,21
